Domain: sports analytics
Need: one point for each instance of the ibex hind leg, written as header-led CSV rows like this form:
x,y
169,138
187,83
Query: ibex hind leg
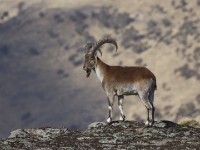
x,y
151,100
144,97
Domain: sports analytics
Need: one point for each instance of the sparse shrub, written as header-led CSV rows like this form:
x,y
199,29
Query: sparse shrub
x,y
188,28
196,53
58,18
80,28
89,37
158,113
78,17
151,24
21,6
53,34
137,117
111,18
198,2
140,47
167,109
165,87
154,31
34,51
4,15
166,22
75,60
132,39
198,98
139,62
62,73
159,9
179,4
186,72
129,36
66,47
41,14
4,49
187,110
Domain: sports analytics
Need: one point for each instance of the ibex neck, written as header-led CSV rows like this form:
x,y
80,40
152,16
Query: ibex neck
x,y
101,69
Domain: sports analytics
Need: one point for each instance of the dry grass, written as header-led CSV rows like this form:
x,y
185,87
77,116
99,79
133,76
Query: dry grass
x,y
190,123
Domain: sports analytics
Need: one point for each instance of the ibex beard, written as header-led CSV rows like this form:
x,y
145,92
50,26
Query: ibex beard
x,y
121,81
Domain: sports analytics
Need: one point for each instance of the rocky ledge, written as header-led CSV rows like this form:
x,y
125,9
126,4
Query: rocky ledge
x,y
99,135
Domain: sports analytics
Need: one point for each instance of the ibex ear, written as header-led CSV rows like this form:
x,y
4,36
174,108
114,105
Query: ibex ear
x,y
95,59
100,51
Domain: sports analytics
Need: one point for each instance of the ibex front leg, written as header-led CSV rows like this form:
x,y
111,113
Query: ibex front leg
x,y
120,105
110,105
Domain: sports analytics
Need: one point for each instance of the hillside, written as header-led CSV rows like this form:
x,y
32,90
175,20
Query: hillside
x,y
41,55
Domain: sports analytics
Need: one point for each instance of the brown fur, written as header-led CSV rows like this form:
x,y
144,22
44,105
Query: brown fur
x,y
118,74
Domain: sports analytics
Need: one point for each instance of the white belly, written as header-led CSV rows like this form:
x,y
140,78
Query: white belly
x,y
127,90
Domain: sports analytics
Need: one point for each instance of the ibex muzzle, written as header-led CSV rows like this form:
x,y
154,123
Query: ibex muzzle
x,y
89,64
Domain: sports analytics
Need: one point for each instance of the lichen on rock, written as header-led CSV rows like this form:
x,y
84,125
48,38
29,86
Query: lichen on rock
x,y
100,135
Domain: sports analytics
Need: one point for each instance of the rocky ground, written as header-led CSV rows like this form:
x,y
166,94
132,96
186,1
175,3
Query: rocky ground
x,y
99,135
42,82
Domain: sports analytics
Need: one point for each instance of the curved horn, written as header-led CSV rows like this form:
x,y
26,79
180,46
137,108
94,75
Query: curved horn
x,y
103,41
88,46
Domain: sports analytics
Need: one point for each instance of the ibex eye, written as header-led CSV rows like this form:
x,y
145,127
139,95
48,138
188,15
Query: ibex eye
x,y
92,62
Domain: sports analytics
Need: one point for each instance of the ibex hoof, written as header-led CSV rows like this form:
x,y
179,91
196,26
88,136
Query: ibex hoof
x,y
122,118
109,120
149,124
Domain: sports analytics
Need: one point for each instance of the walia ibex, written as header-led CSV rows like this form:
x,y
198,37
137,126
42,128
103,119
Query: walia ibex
x,y
120,81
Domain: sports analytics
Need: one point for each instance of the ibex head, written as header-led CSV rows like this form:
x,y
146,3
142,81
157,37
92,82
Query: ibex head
x,y
91,53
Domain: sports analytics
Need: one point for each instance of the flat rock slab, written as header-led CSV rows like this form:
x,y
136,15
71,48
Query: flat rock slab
x,y
100,135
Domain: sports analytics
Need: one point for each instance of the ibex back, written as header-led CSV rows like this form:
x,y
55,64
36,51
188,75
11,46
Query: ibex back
x,y
120,81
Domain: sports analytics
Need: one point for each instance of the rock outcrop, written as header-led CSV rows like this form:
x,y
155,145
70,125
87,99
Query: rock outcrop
x,y
99,135
42,82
